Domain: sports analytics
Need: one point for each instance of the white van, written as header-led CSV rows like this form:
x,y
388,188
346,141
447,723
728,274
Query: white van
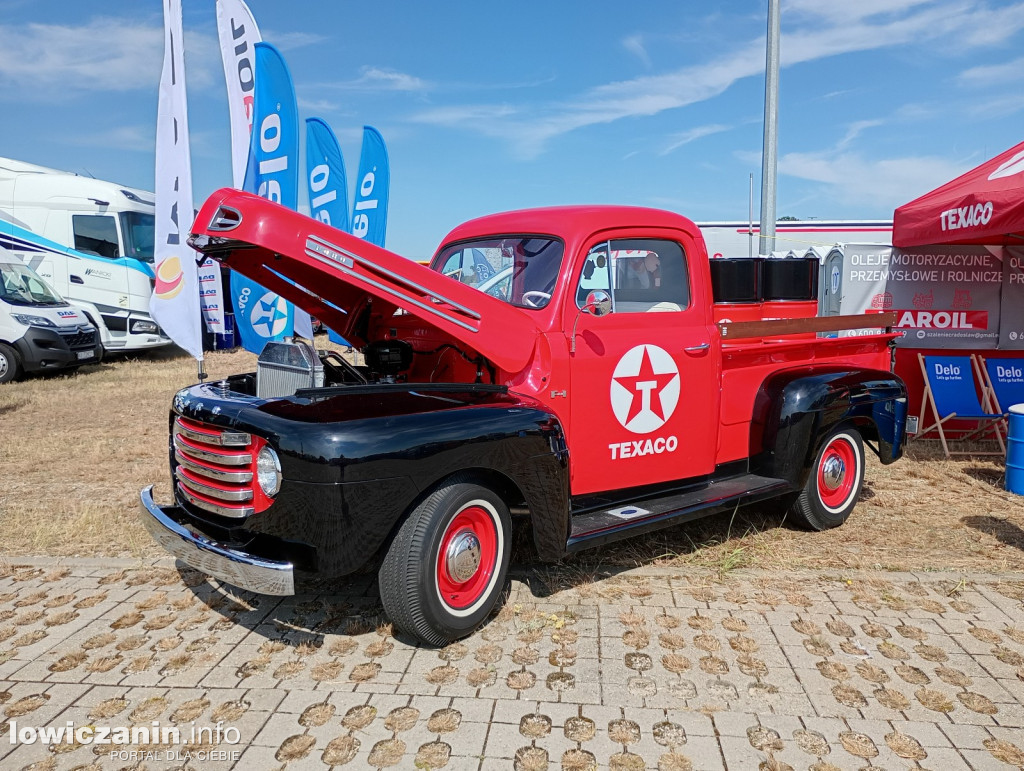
x,y
39,331
91,240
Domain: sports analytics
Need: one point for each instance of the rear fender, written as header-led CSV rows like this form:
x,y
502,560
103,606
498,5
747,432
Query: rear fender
x,y
795,410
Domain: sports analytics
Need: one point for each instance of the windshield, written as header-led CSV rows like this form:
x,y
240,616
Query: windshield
x,y
21,286
521,270
138,235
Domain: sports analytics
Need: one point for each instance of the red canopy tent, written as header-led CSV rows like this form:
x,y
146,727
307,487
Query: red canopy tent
x,y
984,206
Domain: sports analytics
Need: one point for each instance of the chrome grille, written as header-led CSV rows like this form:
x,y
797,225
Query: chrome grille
x,y
214,468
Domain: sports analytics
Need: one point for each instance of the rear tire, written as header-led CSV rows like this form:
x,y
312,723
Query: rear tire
x,y
445,569
834,484
10,364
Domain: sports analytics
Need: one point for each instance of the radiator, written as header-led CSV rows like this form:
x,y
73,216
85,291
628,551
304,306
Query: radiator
x,y
284,368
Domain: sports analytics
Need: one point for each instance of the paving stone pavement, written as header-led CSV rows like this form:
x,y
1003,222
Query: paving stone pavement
x,y
646,668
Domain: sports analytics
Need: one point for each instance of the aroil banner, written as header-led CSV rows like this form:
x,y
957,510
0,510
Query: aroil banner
x,y
273,173
370,212
943,296
326,182
238,35
1011,321
175,300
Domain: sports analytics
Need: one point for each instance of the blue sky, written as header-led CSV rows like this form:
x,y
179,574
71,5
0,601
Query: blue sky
x,y
488,107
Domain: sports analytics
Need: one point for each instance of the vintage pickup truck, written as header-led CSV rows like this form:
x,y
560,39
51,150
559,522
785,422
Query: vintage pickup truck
x,y
587,388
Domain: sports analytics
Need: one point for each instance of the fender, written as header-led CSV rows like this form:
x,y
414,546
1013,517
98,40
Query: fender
x,y
357,459
795,409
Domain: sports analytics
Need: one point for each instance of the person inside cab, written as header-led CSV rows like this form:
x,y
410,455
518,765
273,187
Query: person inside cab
x,y
644,272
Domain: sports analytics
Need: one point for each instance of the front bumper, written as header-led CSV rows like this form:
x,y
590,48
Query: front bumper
x,y
43,349
232,566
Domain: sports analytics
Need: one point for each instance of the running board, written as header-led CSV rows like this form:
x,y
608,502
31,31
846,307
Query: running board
x,y
597,527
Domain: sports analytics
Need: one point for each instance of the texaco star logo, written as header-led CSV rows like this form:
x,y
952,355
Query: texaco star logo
x,y
645,389
269,316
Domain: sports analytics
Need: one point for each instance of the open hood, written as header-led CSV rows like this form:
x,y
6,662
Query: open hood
x,y
985,206
338,278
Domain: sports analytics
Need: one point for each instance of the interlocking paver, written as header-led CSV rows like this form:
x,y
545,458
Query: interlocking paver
x,y
635,666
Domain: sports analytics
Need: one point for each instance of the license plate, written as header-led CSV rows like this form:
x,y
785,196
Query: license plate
x,y
84,354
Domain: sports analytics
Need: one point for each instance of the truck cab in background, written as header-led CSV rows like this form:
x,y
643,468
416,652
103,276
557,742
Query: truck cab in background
x,y
91,240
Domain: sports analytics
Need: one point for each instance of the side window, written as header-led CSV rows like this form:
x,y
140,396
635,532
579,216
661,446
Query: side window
x,y
596,274
643,275
96,234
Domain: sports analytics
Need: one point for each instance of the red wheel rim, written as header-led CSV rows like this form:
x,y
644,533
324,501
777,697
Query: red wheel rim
x,y
474,524
837,472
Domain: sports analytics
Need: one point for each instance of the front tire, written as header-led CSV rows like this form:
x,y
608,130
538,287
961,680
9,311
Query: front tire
x,y
445,569
834,484
10,365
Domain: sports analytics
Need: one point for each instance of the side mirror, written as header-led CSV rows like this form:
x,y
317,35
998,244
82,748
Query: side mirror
x,y
599,303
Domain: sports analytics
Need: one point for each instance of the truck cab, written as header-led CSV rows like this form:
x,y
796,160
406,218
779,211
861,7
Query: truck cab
x,y
562,365
91,240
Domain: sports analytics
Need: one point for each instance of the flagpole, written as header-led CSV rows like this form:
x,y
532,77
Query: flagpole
x,y
771,132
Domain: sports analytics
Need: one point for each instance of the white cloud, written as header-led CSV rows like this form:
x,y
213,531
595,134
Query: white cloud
x,y
106,54
1000,107
846,13
852,179
856,129
289,41
132,138
993,74
635,45
828,29
316,105
685,137
470,116
383,79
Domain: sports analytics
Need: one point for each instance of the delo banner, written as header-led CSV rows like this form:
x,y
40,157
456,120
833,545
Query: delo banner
x,y
325,175
943,296
272,173
175,301
370,211
238,36
326,183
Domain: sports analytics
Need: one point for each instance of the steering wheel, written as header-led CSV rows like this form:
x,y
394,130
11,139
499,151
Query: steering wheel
x,y
535,298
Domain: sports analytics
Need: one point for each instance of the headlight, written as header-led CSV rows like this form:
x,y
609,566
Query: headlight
x,y
144,327
268,471
32,321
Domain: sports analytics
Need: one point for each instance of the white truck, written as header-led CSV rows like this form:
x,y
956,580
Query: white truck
x,y
39,330
90,240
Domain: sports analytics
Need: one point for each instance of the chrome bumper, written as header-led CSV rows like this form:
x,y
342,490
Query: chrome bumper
x,y
234,567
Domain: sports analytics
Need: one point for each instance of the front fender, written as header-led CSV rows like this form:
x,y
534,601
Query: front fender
x,y
383,448
796,409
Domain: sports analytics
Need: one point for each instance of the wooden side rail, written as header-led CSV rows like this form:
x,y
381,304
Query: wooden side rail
x,y
735,330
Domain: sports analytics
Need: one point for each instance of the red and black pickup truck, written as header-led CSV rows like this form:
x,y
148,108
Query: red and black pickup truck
x,y
559,364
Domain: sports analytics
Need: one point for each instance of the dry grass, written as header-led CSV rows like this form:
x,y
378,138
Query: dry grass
x,y
76,450
922,513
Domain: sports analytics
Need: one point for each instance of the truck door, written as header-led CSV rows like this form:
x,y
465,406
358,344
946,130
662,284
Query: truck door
x,y
644,380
